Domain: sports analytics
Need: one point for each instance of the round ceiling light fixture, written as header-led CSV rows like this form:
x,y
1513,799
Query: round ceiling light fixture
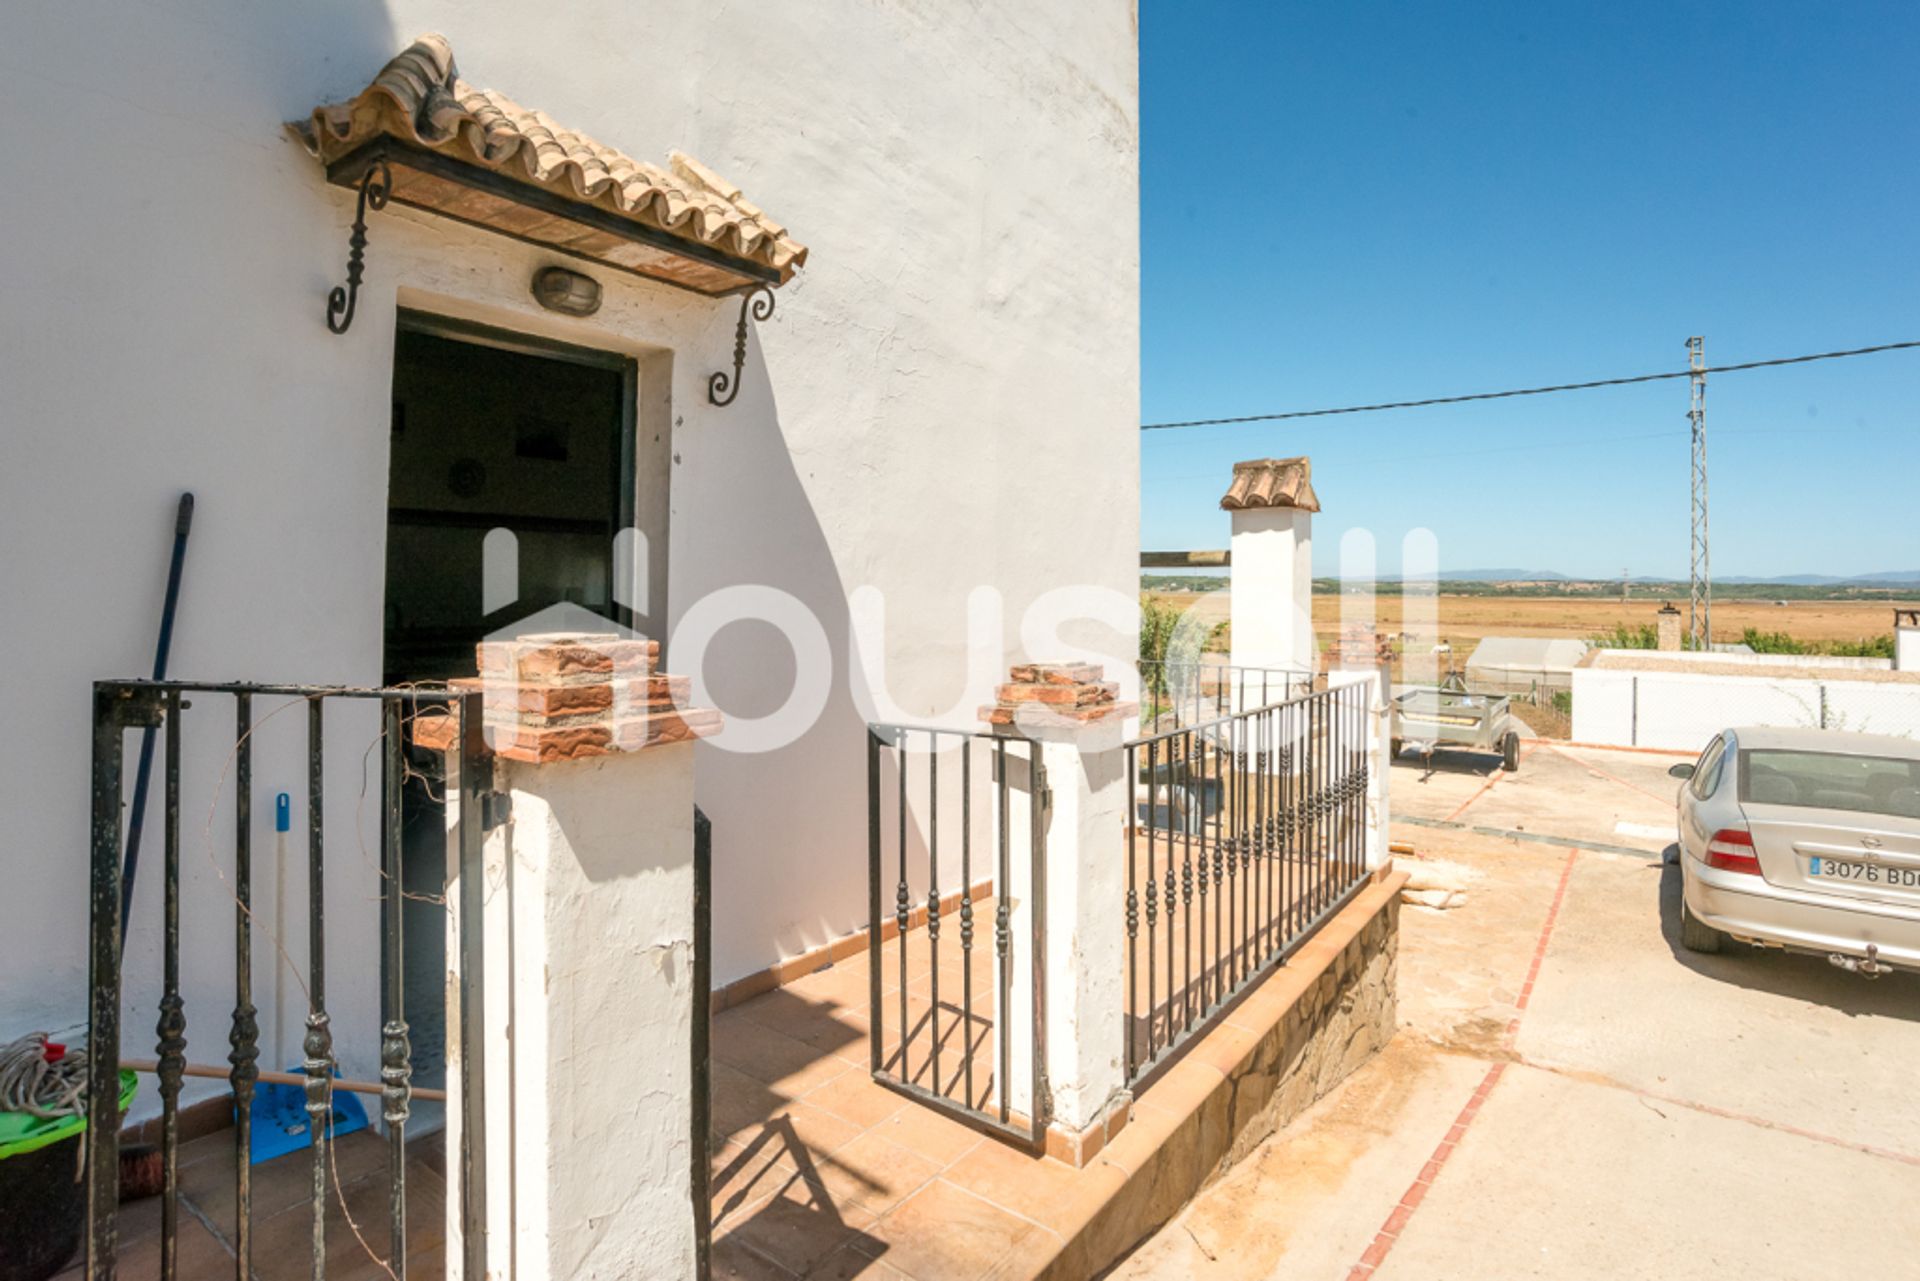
x,y
567,292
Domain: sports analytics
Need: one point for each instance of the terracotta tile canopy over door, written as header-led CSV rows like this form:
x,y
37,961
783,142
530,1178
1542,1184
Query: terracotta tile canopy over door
x,y
479,157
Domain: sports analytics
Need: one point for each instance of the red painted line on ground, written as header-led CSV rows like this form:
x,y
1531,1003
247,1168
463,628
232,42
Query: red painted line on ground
x,y
1402,1214
1664,800
1526,748
1540,948
1622,747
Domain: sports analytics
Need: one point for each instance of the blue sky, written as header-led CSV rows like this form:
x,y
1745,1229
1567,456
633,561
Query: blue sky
x,y
1354,202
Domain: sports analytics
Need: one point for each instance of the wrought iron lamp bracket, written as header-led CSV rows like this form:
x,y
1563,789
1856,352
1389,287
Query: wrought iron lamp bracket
x,y
375,186
721,389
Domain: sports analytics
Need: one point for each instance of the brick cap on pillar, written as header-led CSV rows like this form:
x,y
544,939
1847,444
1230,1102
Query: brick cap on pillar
x,y
1057,701
565,696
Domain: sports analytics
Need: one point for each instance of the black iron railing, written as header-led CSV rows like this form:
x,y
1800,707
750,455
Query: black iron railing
x,y
119,706
1249,831
966,815
1179,692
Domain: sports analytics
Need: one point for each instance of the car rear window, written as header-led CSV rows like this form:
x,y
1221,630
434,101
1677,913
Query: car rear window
x,y
1829,780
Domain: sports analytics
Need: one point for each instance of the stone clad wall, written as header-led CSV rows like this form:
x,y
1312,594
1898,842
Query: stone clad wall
x,y
1342,1019
1294,1037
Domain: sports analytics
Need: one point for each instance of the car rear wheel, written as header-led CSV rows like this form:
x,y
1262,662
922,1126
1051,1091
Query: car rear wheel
x,y
1510,751
1695,935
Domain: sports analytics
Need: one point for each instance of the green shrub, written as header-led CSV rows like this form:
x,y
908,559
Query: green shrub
x,y
1880,646
1626,636
1773,642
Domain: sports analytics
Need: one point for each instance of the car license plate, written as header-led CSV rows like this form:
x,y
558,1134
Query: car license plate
x,y
1836,869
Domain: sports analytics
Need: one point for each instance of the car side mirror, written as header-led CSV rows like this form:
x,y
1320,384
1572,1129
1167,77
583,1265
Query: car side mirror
x,y
1680,771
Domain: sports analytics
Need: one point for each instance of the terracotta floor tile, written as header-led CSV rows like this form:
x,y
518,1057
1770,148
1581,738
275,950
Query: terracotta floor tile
x,y
821,1024
1051,1192
740,1101
873,1173
799,1227
850,1262
920,1129
770,1056
944,1232
743,1175
855,1096
139,1253
799,1132
734,1260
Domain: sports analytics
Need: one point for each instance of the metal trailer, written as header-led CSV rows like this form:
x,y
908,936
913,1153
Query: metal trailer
x,y
1439,716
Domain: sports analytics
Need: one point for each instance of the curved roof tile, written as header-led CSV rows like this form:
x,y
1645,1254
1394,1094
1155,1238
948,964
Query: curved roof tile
x,y
420,98
1271,482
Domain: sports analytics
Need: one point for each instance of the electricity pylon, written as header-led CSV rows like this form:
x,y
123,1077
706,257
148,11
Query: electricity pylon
x,y
1700,588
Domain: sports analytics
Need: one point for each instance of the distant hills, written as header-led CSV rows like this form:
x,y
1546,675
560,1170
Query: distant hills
x,y
1890,578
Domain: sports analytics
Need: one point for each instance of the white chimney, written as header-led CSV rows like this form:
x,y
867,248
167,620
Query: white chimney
x,y
1906,640
1272,502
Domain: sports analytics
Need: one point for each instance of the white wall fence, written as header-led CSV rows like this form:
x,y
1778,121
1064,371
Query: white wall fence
x,y
1682,710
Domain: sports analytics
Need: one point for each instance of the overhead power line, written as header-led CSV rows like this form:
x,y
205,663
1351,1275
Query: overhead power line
x,y
1533,391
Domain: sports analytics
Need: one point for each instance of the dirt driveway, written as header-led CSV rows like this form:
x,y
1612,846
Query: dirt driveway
x,y
1574,1095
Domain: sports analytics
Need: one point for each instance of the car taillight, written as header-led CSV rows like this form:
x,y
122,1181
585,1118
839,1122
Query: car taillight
x,y
1731,850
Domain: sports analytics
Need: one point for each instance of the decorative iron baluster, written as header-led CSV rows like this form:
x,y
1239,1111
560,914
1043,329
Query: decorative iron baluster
x,y
966,915
1187,757
1170,886
245,1035
114,707
319,1039
172,1026
396,1050
1002,931
903,912
933,898
476,769
1152,892
876,1016
1153,841
1040,1109
1133,909
1198,772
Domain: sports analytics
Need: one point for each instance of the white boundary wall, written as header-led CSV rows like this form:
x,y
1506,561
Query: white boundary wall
x,y
1682,710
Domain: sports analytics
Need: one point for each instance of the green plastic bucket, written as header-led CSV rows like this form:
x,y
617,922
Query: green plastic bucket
x,y
42,1188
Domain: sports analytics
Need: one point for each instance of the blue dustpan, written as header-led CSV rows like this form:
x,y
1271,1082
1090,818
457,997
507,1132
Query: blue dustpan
x,y
280,1118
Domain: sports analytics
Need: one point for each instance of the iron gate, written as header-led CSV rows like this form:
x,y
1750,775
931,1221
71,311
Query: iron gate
x,y
119,706
996,788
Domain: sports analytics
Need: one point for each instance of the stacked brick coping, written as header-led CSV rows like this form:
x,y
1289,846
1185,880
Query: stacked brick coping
x,y
565,696
1359,645
1055,696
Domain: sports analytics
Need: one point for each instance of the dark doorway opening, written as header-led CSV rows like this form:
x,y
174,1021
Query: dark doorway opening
x,y
491,431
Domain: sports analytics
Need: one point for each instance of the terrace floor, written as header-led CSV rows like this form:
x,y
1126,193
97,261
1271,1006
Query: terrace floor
x,y
283,1215
819,1171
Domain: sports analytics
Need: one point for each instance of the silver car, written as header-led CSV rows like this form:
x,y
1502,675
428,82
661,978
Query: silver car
x,y
1803,839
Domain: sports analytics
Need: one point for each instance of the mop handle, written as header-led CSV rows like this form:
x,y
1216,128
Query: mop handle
x,y
136,820
282,824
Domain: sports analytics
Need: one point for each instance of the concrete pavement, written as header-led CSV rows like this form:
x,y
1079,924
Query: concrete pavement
x,y
1574,1095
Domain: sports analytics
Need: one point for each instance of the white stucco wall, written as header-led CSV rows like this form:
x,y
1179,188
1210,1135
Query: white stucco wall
x,y
1681,711
1272,589
947,396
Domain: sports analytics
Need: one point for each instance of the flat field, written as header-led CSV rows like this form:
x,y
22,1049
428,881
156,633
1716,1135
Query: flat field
x,y
1464,620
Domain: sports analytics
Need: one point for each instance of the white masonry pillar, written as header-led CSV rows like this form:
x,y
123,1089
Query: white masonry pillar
x,y
588,941
1906,640
1272,503
1073,726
